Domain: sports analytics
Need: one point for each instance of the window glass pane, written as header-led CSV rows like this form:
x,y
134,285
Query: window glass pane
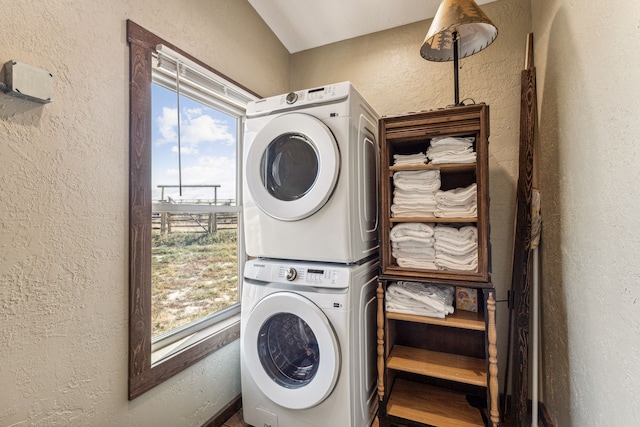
x,y
194,241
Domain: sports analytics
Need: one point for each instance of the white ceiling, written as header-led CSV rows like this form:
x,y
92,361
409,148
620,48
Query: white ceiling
x,y
305,24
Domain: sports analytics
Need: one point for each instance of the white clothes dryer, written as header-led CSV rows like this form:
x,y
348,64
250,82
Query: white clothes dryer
x,y
308,344
311,176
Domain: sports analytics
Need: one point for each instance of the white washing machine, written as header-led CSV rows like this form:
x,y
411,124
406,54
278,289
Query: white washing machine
x,y
311,164
308,344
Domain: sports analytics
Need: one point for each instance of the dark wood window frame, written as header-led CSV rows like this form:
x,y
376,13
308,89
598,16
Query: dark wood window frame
x,y
143,375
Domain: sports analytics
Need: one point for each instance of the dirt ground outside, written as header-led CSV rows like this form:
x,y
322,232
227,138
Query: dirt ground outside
x,y
193,275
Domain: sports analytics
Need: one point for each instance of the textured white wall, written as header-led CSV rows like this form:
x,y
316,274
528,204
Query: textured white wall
x,y
64,208
389,71
588,156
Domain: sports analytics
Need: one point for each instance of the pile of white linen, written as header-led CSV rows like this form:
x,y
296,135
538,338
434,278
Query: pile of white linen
x,y
459,202
420,298
456,249
412,245
409,159
414,193
449,149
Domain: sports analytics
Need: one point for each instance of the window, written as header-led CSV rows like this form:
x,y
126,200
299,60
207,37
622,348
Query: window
x,y
186,252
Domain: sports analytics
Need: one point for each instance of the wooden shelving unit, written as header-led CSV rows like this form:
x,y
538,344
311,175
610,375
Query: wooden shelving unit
x,y
412,133
438,371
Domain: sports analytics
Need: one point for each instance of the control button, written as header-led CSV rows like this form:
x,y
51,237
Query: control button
x,y
291,97
290,274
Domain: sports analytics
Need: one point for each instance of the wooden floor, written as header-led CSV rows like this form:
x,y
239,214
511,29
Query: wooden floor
x,y
237,421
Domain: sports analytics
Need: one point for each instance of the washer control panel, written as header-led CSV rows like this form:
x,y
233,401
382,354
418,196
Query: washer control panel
x,y
321,275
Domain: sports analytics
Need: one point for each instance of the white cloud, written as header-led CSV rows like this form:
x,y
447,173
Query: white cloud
x,y
209,170
195,128
167,125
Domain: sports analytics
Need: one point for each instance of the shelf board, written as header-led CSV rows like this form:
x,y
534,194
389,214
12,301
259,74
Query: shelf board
x,y
460,319
431,219
444,167
453,367
443,277
432,405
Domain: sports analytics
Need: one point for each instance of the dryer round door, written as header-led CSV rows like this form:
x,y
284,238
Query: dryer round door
x,y
292,166
291,350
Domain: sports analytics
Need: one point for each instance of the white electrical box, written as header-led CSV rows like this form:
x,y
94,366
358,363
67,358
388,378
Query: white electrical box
x,y
28,82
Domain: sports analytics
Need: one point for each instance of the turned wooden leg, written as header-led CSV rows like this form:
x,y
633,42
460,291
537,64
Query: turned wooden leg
x,y
494,413
380,321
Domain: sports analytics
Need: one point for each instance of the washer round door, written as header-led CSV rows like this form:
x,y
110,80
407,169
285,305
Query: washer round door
x,y
292,166
291,350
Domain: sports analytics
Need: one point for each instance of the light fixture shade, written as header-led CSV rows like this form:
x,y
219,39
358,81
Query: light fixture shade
x,y
475,31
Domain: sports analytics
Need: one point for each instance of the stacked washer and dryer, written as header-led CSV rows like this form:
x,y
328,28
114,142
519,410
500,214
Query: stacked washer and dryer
x,y
308,335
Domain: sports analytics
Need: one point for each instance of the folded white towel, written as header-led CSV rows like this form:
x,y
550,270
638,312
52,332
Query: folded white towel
x,y
416,198
459,248
418,264
410,186
415,294
454,159
458,202
460,194
402,299
453,141
451,150
426,255
411,229
470,212
409,159
418,311
448,150
413,213
426,200
413,240
423,175
414,246
447,262
466,233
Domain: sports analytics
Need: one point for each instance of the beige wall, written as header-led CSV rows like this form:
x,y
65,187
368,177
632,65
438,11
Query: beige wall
x,y
389,71
64,208
589,104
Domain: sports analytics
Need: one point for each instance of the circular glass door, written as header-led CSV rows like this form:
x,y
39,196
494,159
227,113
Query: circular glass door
x,y
288,350
292,166
289,167
291,350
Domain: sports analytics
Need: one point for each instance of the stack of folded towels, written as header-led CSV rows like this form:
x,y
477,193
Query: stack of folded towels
x,y
449,149
412,245
420,299
414,193
456,249
409,159
443,247
459,202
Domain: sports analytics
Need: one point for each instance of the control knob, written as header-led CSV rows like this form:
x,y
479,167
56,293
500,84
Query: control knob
x,y
290,274
291,97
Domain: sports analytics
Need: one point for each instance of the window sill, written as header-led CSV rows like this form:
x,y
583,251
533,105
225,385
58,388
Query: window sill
x,y
213,331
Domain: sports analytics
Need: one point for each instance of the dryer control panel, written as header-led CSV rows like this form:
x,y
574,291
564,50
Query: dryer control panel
x,y
322,276
328,94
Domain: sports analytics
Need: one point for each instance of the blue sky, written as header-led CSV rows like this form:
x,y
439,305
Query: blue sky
x,y
208,142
